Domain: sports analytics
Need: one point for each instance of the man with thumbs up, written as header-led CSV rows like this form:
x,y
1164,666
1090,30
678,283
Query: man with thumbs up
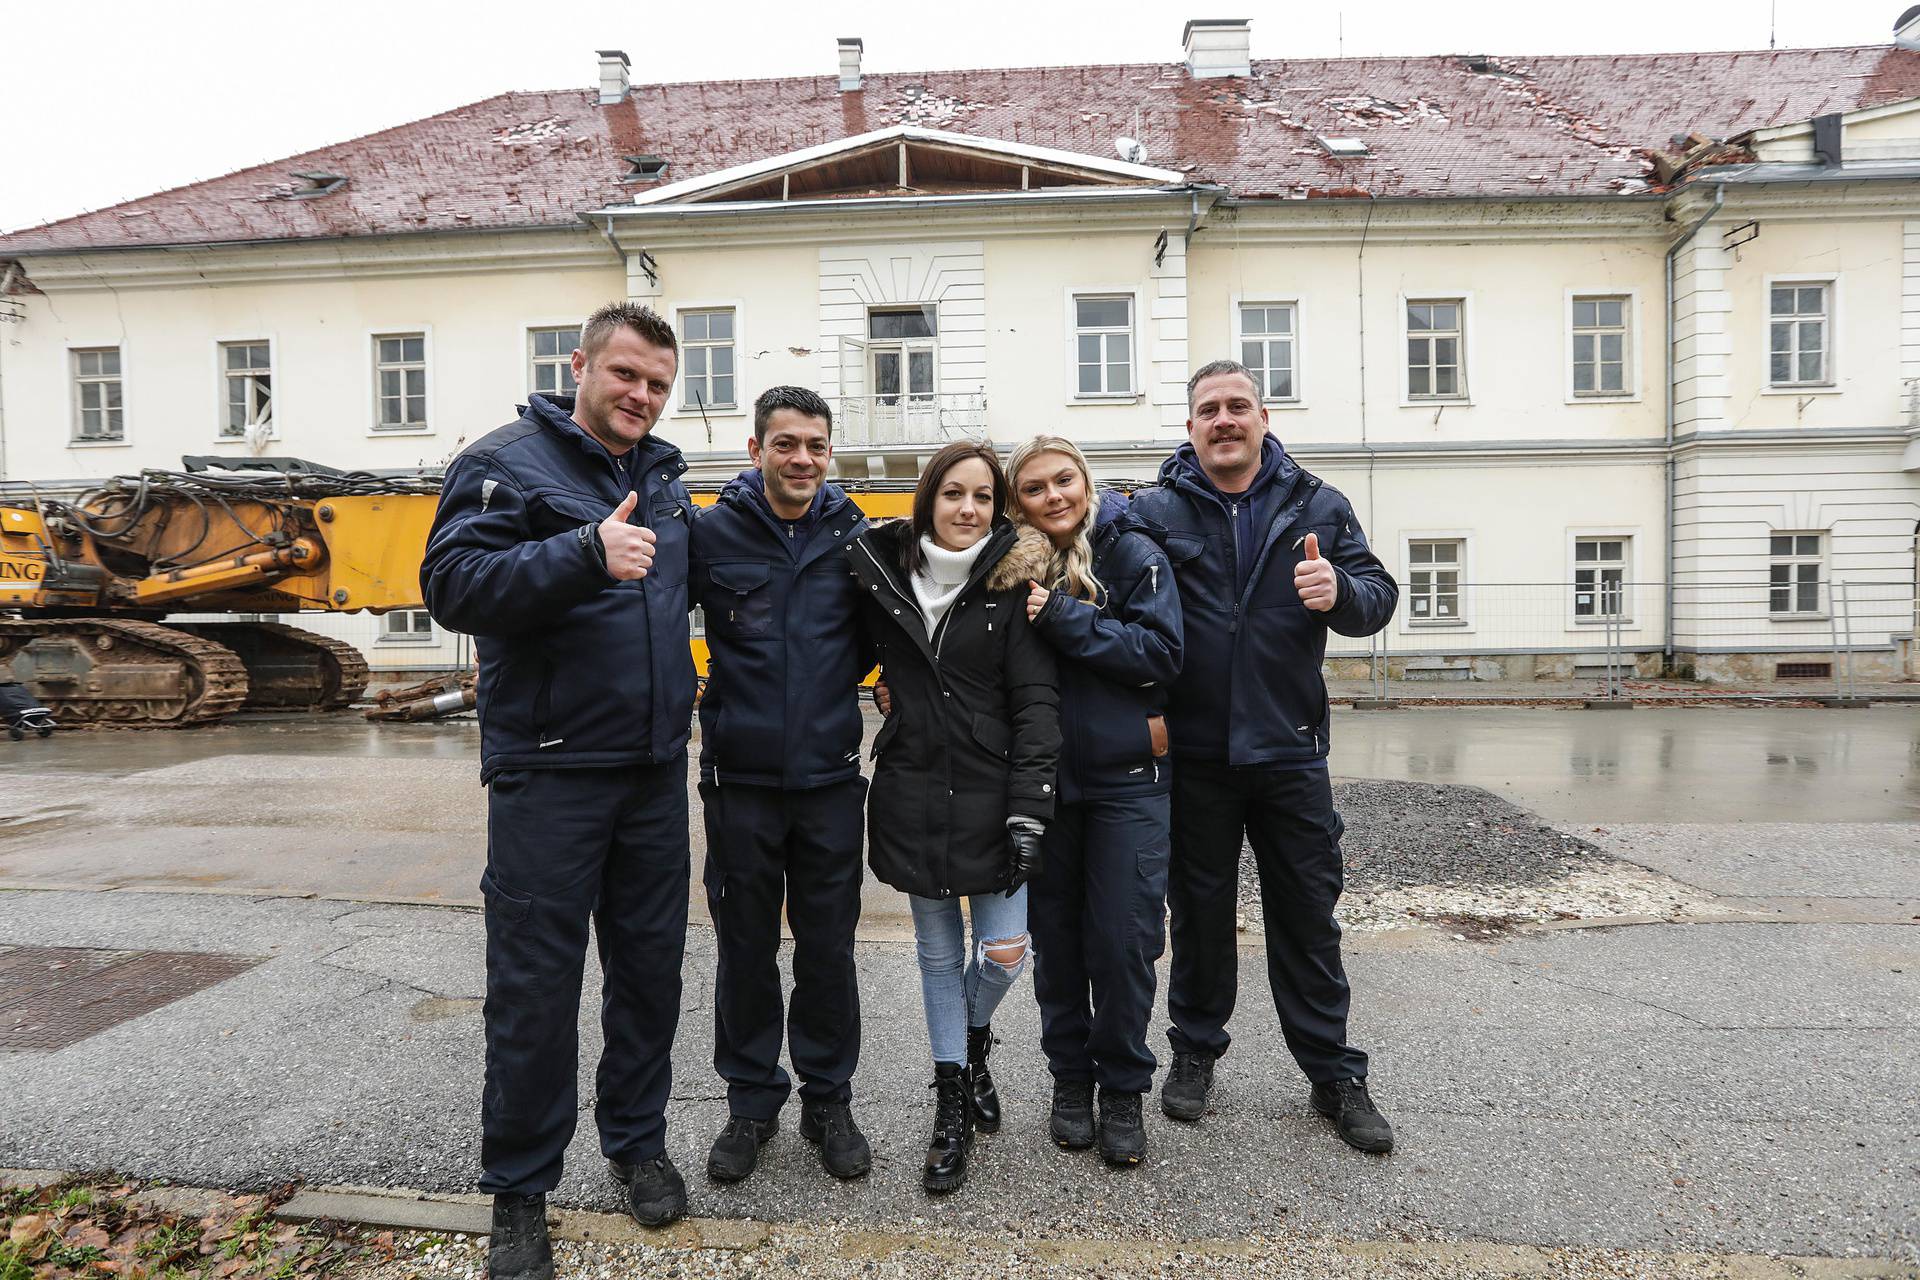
x,y
1268,559
561,546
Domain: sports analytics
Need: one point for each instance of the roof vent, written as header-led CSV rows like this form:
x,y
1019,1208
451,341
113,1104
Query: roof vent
x,y
613,76
318,184
1906,29
851,47
1342,148
1218,47
645,169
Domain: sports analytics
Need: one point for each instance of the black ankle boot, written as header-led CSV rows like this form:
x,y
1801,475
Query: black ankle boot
x,y
986,1098
518,1248
952,1129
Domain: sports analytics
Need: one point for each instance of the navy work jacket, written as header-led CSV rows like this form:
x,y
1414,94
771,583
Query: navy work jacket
x,y
1251,690
1117,660
576,669
786,647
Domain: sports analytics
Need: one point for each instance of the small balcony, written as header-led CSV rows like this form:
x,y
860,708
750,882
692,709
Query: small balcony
x,y
903,419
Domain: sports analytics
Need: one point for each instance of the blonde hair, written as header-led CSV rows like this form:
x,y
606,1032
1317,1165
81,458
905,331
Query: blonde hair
x,y
1069,568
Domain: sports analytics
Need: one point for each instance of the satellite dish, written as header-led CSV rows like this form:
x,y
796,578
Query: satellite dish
x,y
1132,150
1906,29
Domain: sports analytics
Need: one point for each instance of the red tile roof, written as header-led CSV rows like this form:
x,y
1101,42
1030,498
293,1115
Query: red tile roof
x,y
1434,127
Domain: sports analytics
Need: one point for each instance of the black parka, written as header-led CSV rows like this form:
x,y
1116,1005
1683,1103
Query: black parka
x,y
974,735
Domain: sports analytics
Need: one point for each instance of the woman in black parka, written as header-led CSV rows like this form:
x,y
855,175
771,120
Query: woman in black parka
x,y
964,781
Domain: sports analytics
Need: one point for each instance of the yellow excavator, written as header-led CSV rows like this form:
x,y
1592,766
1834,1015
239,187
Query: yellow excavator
x,y
94,576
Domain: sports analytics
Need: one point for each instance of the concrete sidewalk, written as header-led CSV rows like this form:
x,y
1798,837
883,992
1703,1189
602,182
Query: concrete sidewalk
x,y
1715,1087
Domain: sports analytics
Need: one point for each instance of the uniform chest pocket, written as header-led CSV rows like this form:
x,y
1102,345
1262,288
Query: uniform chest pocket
x,y
557,512
740,602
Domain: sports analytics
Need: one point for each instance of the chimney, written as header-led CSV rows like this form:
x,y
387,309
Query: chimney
x,y
1218,47
613,76
850,51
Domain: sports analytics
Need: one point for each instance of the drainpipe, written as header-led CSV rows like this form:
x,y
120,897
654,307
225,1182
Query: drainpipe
x,y
1719,198
11,274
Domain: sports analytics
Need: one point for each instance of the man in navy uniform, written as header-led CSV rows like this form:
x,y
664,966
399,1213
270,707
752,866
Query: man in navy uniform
x,y
780,784
1268,559
561,546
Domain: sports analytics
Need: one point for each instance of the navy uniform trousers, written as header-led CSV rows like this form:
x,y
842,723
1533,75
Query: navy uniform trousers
x,y
1097,912
565,846
1288,817
766,846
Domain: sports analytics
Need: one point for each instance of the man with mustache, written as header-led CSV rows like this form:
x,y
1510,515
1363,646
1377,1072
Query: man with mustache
x,y
560,545
780,784
1268,558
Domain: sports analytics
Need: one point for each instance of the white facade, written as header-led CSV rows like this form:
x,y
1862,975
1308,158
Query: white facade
x,y
1530,451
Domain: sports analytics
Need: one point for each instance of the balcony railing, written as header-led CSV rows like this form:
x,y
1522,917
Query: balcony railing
x,y
909,419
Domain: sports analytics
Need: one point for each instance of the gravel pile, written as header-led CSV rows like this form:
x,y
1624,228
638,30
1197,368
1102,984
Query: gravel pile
x,y
1405,833
1468,860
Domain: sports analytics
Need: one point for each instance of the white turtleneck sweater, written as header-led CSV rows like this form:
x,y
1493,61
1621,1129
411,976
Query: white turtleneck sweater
x,y
937,583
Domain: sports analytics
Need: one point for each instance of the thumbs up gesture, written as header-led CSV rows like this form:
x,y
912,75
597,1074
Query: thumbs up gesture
x,y
1314,578
629,547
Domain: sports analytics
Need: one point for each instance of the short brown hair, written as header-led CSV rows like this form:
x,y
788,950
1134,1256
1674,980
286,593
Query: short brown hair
x,y
644,321
1214,370
923,493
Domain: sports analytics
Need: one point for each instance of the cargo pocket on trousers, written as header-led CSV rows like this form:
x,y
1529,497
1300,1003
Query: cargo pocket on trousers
x,y
507,905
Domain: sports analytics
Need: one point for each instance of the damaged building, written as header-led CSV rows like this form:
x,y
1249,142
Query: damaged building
x,y
1607,350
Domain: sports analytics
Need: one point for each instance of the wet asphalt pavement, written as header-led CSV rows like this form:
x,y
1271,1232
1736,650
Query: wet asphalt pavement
x,y
1751,1085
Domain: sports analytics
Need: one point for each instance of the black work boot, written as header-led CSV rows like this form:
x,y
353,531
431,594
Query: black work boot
x,y
1183,1096
737,1149
1072,1118
986,1098
952,1129
843,1148
1348,1105
519,1249
1123,1138
656,1193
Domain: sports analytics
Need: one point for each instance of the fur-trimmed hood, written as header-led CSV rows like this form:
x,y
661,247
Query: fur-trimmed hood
x,y
1022,553
1026,558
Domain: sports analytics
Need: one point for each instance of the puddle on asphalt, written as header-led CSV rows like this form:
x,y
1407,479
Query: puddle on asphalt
x,y
441,1008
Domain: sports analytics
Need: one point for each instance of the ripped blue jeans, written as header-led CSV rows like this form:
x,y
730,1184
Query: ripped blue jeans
x,y
960,986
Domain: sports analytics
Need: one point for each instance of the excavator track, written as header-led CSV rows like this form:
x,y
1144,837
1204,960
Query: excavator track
x,y
98,671
290,669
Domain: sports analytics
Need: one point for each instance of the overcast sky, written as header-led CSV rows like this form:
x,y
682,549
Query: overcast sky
x,y
115,99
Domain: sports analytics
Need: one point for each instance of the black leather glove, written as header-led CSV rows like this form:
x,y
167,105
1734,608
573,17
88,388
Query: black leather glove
x,y
1024,836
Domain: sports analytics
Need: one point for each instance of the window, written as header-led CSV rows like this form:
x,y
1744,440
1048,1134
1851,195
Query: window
x,y
706,359
900,351
1103,342
1433,581
1600,347
1599,578
552,353
409,625
1797,335
1435,370
1794,573
400,382
247,371
1267,347
98,413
